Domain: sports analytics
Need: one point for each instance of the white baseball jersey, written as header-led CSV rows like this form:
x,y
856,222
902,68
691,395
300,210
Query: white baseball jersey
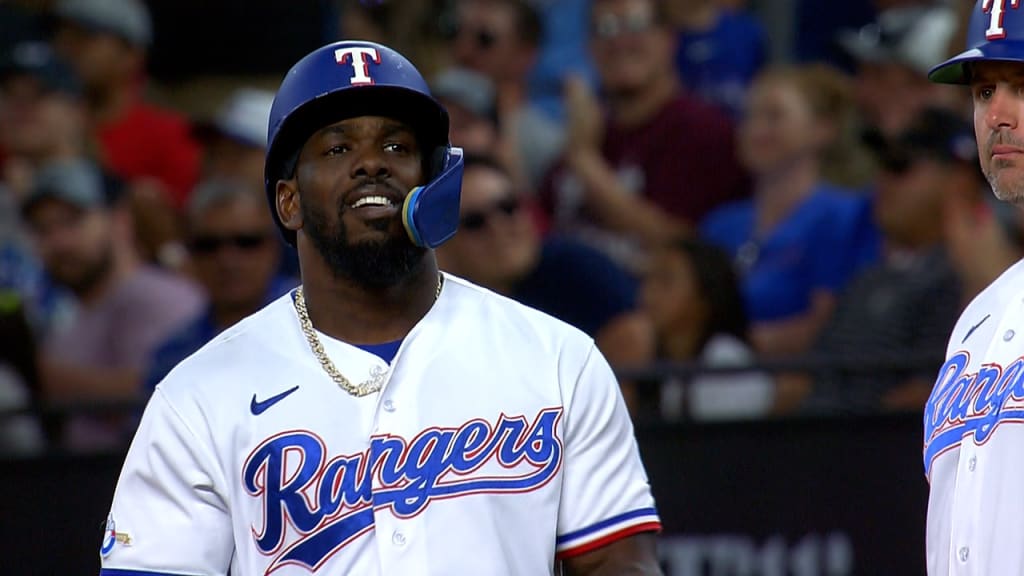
x,y
498,441
974,439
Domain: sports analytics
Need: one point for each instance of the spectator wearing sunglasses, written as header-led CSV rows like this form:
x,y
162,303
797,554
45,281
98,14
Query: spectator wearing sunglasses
x,y
83,232
499,246
656,160
500,39
235,253
906,304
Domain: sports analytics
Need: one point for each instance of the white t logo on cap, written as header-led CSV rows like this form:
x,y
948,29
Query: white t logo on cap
x,y
996,9
360,57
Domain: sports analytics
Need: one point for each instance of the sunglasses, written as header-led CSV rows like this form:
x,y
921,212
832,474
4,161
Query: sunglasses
x,y
899,162
478,219
483,38
211,244
609,26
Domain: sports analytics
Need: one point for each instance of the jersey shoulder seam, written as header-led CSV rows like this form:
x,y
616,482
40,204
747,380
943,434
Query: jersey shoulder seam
x,y
197,441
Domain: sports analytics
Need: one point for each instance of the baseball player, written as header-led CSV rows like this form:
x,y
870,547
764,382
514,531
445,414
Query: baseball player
x,y
974,419
383,418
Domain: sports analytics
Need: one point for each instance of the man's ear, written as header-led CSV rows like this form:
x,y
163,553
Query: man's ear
x,y
288,204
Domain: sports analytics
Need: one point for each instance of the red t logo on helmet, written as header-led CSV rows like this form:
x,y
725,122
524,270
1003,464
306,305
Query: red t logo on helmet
x,y
358,56
996,9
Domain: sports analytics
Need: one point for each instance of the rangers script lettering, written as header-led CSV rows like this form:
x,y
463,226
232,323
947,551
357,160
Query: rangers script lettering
x,y
357,56
437,464
971,403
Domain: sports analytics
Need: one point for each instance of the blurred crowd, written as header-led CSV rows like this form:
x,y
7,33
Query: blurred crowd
x,y
665,175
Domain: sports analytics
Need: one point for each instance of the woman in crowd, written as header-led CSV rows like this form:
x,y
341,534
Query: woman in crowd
x,y
800,237
693,299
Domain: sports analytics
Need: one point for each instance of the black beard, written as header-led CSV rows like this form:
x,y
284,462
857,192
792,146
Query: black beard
x,y
372,264
93,274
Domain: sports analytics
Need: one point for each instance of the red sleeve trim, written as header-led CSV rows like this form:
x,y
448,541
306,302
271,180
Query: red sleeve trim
x,y
608,539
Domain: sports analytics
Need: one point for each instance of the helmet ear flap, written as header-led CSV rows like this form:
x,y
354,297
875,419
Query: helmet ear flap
x,y
437,162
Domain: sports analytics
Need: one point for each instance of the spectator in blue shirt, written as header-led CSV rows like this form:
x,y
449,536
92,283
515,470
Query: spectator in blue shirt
x,y
235,256
499,246
800,238
718,52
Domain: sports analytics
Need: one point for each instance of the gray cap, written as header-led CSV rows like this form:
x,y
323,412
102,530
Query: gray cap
x,y
128,19
468,89
77,182
915,36
244,117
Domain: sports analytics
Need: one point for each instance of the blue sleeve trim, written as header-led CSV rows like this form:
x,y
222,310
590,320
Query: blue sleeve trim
x,y
120,572
606,523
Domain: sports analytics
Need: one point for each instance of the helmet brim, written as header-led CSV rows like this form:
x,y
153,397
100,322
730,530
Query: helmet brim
x,y
955,70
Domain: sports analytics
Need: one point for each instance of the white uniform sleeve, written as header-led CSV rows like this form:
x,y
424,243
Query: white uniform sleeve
x,y
605,493
167,517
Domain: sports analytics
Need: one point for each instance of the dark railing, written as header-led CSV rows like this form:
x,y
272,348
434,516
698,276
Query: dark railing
x,y
643,376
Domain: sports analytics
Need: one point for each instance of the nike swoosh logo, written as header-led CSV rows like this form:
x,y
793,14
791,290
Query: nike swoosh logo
x,y
257,407
975,327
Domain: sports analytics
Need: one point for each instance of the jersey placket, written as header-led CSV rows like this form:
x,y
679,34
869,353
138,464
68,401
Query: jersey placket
x,y
400,542
965,555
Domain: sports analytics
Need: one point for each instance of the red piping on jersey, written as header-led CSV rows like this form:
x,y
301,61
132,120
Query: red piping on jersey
x,y
608,539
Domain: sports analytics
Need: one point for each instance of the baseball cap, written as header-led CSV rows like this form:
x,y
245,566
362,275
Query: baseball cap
x,y
935,133
915,36
78,182
38,60
467,89
128,19
244,117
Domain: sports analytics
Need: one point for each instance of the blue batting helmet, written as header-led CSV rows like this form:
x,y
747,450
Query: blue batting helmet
x,y
996,32
348,79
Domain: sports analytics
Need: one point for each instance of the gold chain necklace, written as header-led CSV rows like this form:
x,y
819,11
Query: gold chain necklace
x,y
376,374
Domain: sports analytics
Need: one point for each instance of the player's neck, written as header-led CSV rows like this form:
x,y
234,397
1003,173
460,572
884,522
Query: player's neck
x,y
352,313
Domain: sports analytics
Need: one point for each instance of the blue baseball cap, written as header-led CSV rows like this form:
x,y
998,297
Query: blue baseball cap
x,y
38,60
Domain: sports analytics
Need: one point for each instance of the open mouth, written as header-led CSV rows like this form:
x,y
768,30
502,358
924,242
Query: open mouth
x,y
374,201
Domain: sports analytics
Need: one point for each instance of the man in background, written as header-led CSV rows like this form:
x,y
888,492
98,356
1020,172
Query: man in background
x,y
106,42
123,307
500,39
903,307
235,253
498,246
892,57
235,146
42,120
471,102
658,161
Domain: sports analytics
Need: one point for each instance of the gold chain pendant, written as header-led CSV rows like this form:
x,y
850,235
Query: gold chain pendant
x,y
376,373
